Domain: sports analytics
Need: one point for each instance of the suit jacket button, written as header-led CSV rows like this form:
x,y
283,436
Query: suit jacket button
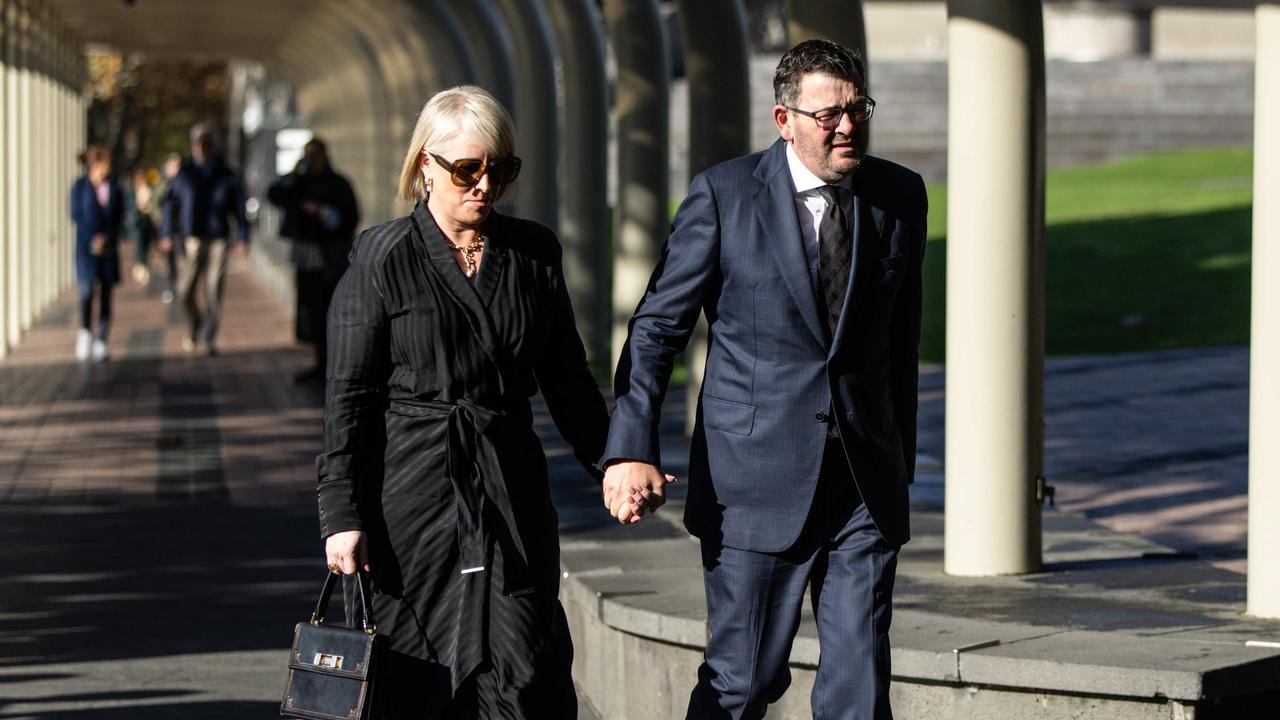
x,y
822,417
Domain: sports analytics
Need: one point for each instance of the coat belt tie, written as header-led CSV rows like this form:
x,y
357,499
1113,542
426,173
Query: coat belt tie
x,y
471,462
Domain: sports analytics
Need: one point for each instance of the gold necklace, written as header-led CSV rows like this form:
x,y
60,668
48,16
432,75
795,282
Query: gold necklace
x,y
469,253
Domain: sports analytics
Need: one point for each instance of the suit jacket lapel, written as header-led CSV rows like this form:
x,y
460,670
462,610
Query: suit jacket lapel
x,y
776,213
440,263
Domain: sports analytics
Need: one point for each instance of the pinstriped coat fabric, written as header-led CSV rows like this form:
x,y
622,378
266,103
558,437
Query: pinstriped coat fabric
x,y
429,448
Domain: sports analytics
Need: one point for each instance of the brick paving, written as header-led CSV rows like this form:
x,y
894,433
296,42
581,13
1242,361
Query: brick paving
x,y
154,424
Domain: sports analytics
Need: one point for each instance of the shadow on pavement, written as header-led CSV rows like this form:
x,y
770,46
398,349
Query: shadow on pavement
x,y
217,710
104,583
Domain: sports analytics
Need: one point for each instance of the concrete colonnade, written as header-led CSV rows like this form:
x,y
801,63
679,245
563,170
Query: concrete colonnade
x,y
640,218
41,130
537,194
717,57
494,58
842,23
584,171
995,287
1264,385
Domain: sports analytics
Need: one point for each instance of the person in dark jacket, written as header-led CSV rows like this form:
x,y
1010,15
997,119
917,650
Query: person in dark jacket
x,y
320,217
159,203
432,477
97,208
202,199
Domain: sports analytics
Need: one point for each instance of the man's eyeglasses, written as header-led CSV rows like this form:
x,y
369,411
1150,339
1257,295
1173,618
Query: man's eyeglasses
x,y
859,111
468,171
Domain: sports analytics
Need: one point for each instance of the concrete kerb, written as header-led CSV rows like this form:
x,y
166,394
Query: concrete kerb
x,y
634,599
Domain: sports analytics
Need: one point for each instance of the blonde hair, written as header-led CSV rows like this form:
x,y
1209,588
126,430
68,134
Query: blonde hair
x,y
466,110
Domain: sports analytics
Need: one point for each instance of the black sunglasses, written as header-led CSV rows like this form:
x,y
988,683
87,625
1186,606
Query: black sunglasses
x,y
468,171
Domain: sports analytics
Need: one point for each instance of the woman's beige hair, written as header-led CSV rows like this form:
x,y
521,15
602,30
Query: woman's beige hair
x,y
466,110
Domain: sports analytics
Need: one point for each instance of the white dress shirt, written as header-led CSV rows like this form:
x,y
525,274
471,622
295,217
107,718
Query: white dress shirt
x,y
810,206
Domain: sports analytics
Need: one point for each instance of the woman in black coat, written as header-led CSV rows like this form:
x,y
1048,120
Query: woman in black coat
x,y
97,208
432,477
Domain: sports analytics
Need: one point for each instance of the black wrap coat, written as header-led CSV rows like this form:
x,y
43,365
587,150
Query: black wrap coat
x,y
429,447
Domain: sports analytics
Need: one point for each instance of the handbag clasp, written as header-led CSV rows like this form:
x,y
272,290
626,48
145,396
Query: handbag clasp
x,y
328,661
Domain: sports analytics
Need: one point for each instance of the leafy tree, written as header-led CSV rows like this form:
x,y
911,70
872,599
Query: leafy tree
x,y
142,107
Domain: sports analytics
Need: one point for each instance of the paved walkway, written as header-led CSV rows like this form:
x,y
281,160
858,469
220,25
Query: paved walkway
x,y
159,508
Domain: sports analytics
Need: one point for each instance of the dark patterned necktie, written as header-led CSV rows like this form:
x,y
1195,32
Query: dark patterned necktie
x,y
834,256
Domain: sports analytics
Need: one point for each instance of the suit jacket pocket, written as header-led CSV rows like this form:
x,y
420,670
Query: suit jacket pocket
x,y
728,416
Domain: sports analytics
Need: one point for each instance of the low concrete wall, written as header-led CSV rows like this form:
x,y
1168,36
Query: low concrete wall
x,y
963,648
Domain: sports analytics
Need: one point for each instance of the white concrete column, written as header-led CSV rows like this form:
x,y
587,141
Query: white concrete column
x,y
5,238
1263,585
43,169
61,239
25,167
995,340
13,177
62,155
584,173
642,217
717,54
537,126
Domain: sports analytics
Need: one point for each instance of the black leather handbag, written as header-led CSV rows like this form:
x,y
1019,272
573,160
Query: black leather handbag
x,y
333,669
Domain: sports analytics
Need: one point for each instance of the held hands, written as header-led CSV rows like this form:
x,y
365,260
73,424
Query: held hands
x,y
345,551
631,487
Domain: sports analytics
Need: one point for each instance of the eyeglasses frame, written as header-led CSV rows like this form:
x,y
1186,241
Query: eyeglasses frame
x,y
871,110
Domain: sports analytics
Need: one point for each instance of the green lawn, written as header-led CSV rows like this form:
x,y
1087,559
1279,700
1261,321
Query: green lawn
x,y
1147,253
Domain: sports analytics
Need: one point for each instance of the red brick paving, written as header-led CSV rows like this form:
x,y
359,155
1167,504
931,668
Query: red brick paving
x,y
155,424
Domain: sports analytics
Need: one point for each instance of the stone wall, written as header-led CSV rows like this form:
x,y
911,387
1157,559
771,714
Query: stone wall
x,y
1096,110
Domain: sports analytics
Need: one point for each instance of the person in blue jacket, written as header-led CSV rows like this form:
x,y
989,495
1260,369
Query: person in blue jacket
x,y
204,199
97,208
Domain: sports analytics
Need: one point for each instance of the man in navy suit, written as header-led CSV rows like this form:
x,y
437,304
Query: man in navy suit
x,y
806,259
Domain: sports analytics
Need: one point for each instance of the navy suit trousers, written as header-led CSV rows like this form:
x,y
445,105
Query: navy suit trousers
x,y
754,602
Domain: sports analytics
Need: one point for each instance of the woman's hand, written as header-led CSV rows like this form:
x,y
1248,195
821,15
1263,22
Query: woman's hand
x,y
345,551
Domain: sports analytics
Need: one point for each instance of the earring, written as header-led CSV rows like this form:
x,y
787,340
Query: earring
x,y
428,184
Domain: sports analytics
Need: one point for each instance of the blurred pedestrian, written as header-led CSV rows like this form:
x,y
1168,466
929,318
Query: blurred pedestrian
x,y
169,254
141,223
203,198
97,208
320,217
432,477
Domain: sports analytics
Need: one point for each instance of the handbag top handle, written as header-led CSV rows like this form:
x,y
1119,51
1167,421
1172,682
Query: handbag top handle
x,y
322,605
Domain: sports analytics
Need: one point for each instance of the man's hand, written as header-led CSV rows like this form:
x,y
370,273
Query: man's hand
x,y
98,245
631,487
345,551
165,244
